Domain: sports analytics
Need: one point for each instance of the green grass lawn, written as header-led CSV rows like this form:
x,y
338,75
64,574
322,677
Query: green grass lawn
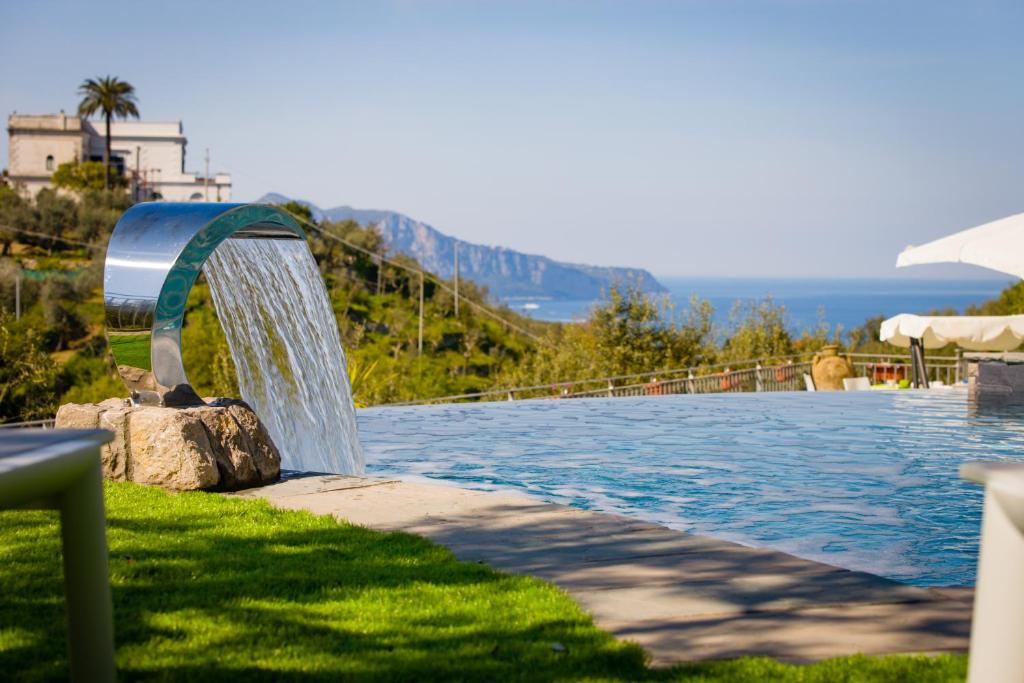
x,y
212,588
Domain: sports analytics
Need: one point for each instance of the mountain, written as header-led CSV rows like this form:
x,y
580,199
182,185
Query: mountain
x,y
506,273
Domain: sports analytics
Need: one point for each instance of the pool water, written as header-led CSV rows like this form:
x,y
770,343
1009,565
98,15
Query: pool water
x,y
864,480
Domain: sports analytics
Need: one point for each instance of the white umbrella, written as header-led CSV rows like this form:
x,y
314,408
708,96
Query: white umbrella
x,y
998,245
973,333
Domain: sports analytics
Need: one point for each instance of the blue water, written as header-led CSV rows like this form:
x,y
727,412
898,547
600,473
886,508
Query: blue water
x,y
842,302
864,480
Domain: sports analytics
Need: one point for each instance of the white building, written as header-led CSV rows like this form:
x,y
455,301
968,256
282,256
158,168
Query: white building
x,y
150,154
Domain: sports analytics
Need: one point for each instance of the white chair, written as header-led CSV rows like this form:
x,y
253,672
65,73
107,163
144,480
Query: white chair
x,y
996,655
856,383
808,382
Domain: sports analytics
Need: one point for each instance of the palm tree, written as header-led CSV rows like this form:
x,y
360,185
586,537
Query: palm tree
x,y
113,97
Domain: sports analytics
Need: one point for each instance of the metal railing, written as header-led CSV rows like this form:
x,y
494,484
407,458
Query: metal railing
x,y
776,373
880,368
783,377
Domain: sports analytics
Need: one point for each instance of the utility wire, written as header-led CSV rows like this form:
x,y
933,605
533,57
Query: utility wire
x,y
378,257
91,245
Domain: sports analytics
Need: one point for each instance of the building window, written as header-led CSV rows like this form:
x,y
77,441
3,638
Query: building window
x,y
49,162
196,197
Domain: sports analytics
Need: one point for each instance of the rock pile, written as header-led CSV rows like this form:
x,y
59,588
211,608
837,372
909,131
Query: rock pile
x,y
221,446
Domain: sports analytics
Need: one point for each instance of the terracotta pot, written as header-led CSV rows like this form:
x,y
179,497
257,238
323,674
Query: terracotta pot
x,y
829,369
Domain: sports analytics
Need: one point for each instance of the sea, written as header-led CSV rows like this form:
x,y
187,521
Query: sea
x,y
808,302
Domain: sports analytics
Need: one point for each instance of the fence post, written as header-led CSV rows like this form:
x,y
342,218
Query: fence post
x,y
758,382
611,386
689,382
456,244
959,360
17,292
419,344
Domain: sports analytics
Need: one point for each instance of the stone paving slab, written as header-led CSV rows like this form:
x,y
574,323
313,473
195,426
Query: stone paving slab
x,y
801,635
683,597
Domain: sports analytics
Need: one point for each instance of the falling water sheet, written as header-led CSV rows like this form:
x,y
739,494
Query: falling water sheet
x,y
284,340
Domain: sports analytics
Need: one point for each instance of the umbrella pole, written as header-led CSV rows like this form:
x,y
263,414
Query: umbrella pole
x,y
924,365
913,362
919,372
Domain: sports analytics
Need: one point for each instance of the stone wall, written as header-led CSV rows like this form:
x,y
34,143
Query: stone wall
x,y
996,381
221,446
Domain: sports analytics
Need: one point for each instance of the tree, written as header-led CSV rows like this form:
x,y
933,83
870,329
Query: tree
x,y
759,331
15,215
299,211
85,176
1009,302
112,97
28,376
629,333
57,215
61,301
635,332
98,212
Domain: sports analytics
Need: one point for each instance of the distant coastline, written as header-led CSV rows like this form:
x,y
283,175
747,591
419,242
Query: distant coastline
x,y
846,301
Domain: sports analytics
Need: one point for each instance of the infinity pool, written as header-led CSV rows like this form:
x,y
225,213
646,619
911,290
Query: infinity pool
x,y
863,480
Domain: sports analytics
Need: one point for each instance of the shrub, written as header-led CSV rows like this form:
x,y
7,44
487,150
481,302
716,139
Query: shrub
x,y
85,176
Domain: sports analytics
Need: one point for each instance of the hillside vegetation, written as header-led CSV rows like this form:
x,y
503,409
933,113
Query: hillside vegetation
x,y
57,351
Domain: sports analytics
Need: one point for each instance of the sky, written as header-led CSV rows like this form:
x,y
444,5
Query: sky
x,y
747,139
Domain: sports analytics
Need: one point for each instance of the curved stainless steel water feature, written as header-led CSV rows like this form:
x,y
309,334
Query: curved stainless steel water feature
x,y
154,257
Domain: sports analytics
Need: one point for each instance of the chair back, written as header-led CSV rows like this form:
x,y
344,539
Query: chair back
x,y
856,383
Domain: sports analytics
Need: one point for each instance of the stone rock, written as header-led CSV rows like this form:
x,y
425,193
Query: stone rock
x,y
266,458
117,453
171,449
221,446
79,416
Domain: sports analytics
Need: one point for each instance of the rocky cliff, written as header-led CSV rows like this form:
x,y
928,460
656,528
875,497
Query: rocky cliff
x,y
506,273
